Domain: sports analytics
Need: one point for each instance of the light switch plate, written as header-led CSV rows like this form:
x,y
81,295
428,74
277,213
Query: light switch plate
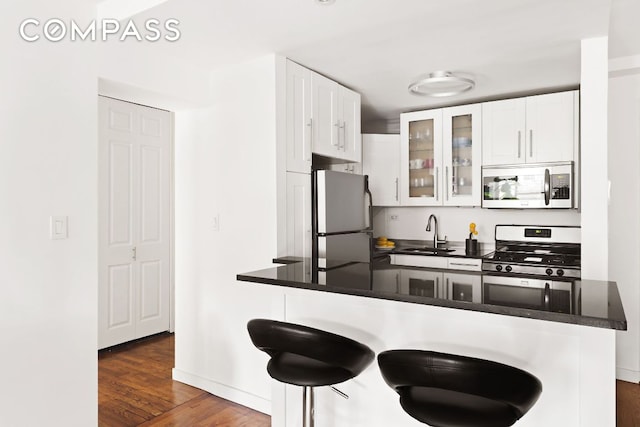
x,y
58,227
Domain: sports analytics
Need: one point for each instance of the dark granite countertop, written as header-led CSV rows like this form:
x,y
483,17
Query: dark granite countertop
x,y
584,302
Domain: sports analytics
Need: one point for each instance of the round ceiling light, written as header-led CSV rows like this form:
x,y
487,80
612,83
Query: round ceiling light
x,y
441,83
325,2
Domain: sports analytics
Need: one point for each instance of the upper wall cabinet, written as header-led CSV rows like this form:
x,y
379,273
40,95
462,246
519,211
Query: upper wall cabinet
x,y
299,119
462,150
440,157
381,161
534,129
336,120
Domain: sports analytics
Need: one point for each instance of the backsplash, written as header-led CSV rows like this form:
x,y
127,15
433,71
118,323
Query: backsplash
x,y
408,223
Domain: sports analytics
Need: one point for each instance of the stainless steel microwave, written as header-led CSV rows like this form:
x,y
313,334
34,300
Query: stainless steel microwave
x,y
541,185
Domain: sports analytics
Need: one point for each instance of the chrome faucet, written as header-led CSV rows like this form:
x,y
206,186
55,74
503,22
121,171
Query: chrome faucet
x,y
435,231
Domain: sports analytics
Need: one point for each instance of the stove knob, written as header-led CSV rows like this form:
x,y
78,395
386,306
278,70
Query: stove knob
x,y
560,272
509,268
549,271
498,267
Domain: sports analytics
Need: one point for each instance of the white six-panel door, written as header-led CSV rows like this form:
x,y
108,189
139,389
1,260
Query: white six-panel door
x,y
134,206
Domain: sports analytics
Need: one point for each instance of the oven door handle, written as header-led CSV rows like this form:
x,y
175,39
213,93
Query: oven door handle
x,y
547,296
547,187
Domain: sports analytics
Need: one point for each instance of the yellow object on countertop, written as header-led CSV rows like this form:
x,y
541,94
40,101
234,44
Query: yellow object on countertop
x,y
472,228
383,242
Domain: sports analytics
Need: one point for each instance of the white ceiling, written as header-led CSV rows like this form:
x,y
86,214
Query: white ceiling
x,y
377,47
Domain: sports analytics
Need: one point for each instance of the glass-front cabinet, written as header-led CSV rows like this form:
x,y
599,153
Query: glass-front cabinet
x,y
441,157
421,158
462,149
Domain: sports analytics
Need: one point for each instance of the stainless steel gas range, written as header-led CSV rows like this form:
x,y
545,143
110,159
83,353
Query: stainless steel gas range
x,y
533,267
532,250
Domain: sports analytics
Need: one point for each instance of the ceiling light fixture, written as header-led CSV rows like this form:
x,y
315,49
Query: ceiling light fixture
x,y
441,83
325,2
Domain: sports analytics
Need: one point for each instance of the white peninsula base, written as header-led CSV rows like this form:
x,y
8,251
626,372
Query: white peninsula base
x,y
576,364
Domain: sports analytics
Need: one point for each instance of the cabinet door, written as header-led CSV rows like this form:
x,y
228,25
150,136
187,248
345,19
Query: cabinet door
x,y
350,137
354,168
326,124
550,127
299,122
386,280
421,283
298,214
421,158
462,153
463,287
381,161
503,132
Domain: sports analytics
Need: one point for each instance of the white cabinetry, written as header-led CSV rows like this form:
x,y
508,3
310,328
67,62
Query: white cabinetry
x,y
320,117
463,287
462,153
422,283
387,280
440,157
355,168
298,214
298,118
381,161
534,129
336,120
349,112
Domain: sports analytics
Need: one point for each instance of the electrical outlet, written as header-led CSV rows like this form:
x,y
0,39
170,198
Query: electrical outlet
x,y
393,217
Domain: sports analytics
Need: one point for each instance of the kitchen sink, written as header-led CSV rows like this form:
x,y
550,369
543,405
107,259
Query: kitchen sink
x,y
428,250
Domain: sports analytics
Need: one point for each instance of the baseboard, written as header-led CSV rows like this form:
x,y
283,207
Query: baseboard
x,y
628,375
240,397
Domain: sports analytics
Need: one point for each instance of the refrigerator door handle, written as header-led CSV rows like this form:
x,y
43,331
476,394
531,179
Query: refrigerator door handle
x,y
370,209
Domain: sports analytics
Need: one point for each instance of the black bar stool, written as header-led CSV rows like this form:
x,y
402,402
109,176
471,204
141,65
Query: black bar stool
x,y
308,357
447,390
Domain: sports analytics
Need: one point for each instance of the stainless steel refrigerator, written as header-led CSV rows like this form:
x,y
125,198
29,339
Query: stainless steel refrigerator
x,y
341,218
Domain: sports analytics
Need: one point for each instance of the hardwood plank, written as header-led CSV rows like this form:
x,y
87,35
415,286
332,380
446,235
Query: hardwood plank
x,y
627,404
136,389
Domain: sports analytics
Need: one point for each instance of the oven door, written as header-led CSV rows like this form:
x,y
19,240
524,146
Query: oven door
x,y
528,186
533,294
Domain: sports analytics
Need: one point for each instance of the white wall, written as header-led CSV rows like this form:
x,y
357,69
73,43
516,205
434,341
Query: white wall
x,y
593,158
453,222
138,73
226,167
48,166
624,213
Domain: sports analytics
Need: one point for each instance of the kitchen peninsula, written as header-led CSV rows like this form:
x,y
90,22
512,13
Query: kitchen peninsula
x,y
570,347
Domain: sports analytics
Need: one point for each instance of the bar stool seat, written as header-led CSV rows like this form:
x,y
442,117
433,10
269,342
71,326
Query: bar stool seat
x,y
447,390
308,357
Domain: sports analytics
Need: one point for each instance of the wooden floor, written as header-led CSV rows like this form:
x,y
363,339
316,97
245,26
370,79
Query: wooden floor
x,y
136,389
628,404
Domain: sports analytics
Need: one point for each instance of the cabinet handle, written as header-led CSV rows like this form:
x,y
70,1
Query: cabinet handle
x,y
531,143
344,135
337,125
446,288
134,255
463,264
396,189
519,143
310,126
436,184
446,181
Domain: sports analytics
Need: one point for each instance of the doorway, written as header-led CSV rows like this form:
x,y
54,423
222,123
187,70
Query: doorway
x,y
134,221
